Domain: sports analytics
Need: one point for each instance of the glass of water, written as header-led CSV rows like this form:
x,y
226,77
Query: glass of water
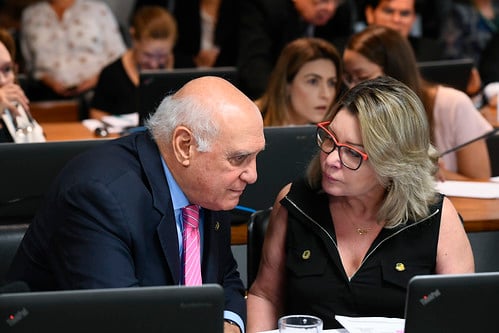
x,y
300,324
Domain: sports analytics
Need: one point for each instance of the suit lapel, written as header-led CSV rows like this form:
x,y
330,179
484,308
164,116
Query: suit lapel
x,y
211,255
150,159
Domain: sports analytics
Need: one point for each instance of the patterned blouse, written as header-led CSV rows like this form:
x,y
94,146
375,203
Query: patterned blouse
x,y
73,48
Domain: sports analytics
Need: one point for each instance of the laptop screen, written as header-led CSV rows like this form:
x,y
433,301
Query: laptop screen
x,y
154,85
453,303
453,73
139,309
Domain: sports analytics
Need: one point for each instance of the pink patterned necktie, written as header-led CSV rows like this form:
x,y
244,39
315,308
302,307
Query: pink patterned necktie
x,y
192,247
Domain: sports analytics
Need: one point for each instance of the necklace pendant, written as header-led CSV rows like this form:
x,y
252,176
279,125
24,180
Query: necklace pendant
x,y
362,232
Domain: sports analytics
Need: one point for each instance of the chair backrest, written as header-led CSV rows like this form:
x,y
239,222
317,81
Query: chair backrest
x,y
493,147
10,238
31,168
257,226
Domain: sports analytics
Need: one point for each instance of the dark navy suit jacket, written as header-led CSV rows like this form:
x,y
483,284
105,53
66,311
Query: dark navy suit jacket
x,y
108,221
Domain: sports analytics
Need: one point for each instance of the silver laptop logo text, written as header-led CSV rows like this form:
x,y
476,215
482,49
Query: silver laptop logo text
x,y
430,297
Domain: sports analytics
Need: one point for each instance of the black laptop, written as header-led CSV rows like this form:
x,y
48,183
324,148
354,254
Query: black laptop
x,y
453,73
154,85
461,303
120,310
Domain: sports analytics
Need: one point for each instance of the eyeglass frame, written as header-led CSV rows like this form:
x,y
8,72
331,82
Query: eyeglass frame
x,y
323,126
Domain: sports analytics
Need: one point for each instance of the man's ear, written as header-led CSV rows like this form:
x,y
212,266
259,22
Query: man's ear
x,y
183,145
369,13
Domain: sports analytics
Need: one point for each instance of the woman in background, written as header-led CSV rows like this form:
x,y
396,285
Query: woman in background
x,y
453,118
153,32
11,94
303,85
66,43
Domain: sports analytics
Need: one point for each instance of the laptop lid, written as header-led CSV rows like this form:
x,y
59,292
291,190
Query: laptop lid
x,y
123,310
453,73
453,303
154,85
288,150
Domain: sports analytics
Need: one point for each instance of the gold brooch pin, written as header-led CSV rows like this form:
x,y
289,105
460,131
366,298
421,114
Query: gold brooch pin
x,y
217,226
306,254
400,267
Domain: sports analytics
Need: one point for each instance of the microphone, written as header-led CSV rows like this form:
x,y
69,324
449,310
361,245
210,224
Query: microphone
x,y
484,136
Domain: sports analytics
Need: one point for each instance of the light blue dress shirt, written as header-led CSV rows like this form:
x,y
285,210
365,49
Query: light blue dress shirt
x,y
179,201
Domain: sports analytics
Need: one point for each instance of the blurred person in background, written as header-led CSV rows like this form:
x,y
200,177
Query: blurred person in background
x,y
11,94
153,33
453,118
207,31
465,34
303,85
268,25
65,44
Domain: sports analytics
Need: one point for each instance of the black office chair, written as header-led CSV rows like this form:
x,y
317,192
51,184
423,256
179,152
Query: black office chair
x,y
257,226
493,147
10,238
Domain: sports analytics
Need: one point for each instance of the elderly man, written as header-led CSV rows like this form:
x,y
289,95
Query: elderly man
x,y
114,216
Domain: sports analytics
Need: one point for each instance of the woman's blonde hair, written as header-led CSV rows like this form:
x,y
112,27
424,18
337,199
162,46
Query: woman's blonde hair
x,y
396,137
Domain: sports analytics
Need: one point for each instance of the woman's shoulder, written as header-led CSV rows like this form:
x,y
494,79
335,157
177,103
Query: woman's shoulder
x,y
451,98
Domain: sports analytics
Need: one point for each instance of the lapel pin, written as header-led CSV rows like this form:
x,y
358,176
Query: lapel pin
x,y
306,254
400,267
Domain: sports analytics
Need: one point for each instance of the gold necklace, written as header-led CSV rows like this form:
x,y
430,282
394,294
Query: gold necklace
x,y
362,231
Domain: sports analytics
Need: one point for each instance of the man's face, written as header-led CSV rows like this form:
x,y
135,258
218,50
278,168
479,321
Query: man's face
x,y
398,15
220,175
317,12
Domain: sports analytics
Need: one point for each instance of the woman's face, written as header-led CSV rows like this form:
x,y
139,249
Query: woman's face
x,y
7,74
359,68
153,53
338,180
312,91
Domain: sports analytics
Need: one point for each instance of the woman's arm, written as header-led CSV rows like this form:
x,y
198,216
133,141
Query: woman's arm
x,y
454,254
265,298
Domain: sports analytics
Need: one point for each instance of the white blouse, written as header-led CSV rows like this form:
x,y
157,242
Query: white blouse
x,y
72,49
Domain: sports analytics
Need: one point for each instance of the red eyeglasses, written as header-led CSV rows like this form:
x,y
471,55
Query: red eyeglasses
x,y
350,157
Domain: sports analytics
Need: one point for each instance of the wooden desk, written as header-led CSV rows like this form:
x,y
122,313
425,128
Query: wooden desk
x,y
67,131
478,215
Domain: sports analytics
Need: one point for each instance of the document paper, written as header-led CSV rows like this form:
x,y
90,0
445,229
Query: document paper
x,y
483,190
371,324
